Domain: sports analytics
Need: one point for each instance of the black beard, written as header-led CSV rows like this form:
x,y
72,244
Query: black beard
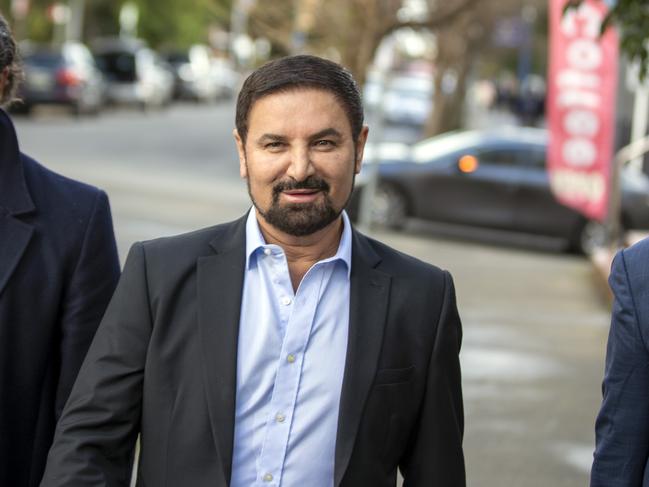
x,y
299,219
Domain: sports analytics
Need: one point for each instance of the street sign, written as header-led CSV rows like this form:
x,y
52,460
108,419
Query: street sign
x,y
582,87
19,9
129,16
58,13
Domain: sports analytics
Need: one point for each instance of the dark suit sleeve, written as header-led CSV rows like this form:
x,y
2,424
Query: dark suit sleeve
x,y
435,457
95,437
89,290
622,428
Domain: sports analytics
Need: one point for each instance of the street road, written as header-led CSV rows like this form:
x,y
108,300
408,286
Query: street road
x,y
534,323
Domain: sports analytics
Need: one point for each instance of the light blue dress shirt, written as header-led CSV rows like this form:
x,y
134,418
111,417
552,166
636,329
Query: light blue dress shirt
x,y
290,364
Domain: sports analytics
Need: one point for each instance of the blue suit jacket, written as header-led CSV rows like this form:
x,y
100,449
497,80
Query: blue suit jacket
x,y
622,429
58,270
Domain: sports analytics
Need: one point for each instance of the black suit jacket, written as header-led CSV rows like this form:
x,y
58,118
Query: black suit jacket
x,y
58,270
622,431
163,363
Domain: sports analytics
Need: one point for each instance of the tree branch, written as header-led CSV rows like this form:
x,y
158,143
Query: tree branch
x,y
435,21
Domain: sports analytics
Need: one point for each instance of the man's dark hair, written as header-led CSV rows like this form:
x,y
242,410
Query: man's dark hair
x,y
297,72
10,70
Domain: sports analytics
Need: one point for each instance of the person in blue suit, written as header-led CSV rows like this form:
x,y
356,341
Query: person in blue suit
x,y
622,428
58,270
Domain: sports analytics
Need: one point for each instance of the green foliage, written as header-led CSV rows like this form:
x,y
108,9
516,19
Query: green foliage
x,y
632,18
180,23
177,23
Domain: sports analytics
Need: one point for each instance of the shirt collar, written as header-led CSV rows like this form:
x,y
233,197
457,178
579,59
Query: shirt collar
x,y
255,241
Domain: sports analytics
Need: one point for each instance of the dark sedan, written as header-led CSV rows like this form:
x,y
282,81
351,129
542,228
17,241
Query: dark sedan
x,y
494,179
66,75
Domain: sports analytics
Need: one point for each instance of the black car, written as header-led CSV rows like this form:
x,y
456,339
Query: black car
x,y
495,179
66,75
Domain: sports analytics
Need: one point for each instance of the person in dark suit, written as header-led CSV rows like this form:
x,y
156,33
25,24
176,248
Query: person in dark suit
x,y
622,430
58,270
281,349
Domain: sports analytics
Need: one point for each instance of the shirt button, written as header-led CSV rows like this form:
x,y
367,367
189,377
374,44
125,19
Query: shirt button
x,y
280,418
286,301
268,251
268,478
290,358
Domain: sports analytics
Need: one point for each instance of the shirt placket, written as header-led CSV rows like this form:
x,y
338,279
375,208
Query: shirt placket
x,y
302,309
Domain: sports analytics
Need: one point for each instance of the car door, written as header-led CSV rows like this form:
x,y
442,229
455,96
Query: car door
x,y
536,208
482,195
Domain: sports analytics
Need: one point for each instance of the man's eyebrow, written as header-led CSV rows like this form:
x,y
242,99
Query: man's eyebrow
x,y
270,138
329,132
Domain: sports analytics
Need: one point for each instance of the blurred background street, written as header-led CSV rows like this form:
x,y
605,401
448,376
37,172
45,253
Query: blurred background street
x,y
535,322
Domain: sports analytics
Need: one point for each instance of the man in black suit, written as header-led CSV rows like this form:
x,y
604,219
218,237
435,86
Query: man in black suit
x,y
58,270
622,430
282,349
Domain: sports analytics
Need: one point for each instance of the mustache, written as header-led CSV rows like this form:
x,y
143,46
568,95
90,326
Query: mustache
x,y
310,183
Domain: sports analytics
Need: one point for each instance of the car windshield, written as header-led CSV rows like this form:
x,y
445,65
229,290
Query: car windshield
x,y
442,145
411,85
43,59
119,66
177,58
449,143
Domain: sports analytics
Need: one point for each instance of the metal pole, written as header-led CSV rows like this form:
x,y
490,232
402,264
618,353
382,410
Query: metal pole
x,y
74,29
305,12
239,28
628,153
372,165
640,120
19,11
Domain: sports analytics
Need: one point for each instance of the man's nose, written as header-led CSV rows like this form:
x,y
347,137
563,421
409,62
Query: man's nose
x,y
301,165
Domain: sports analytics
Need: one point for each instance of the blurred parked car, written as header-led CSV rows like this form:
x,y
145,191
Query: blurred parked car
x,y
225,76
65,75
494,179
136,75
192,71
404,100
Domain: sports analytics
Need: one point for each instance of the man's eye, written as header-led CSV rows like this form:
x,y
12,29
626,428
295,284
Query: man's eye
x,y
324,143
274,145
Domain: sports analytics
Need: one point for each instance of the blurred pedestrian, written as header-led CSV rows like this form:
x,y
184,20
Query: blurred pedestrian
x,y
58,270
622,428
284,348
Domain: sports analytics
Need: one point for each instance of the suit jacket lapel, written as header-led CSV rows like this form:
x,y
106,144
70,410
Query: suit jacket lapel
x,y
15,237
14,200
220,285
369,293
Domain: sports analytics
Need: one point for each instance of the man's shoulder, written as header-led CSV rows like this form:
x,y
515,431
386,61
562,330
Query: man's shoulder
x,y
52,186
632,264
638,252
398,263
197,243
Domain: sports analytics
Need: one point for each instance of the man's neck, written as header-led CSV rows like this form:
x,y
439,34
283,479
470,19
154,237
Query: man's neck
x,y
302,252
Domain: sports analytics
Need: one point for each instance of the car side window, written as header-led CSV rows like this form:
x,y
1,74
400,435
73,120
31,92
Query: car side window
x,y
498,157
532,158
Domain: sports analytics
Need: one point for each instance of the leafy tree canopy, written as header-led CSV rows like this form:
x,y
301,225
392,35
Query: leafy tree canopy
x,y
632,19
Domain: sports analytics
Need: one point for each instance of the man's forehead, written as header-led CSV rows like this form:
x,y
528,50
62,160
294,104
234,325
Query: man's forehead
x,y
303,91
273,108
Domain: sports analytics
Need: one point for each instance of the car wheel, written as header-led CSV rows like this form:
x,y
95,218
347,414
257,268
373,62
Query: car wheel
x,y
591,236
389,206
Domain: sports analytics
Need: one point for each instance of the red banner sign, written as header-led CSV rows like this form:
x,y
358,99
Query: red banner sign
x,y
582,84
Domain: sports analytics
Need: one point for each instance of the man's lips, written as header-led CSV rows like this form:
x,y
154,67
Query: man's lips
x,y
300,195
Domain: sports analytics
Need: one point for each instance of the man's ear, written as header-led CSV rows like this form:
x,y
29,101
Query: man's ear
x,y
360,147
241,149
